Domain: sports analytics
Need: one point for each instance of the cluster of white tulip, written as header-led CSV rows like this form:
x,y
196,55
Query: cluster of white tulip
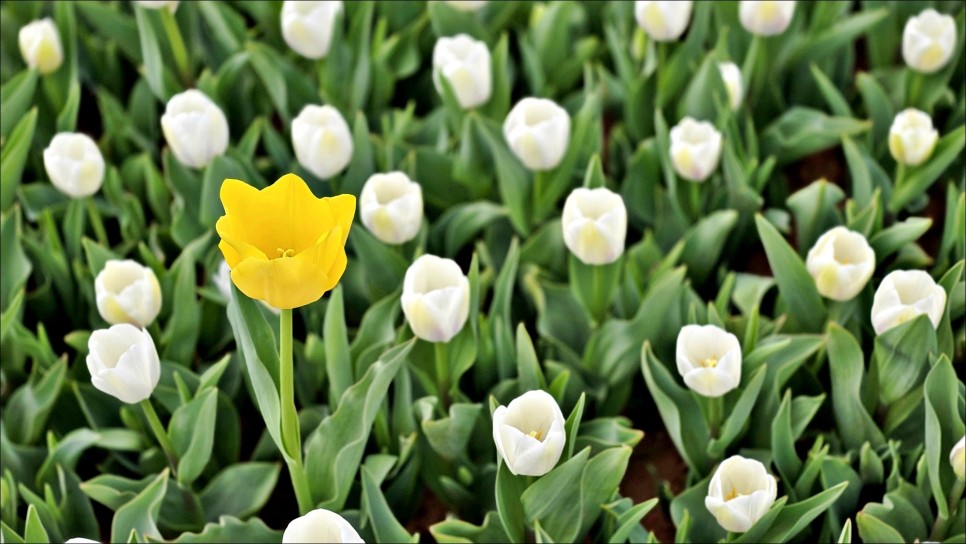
x,y
912,137
709,359
695,149
195,128
320,525
74,164
529,433
766,17
391,207
665,21
307,27
957,458
904,295
465,64
435,298
538,132
841,262
594,225
40,46
170,5
322,140
929,41
740,492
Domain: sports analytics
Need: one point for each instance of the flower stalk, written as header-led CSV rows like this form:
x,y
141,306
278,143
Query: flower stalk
x,y
291,437
158,429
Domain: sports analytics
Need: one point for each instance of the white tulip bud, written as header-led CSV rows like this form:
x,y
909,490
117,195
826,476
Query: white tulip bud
x,y
842,262
81,540
928,41
594,225
529,433
391,206
170,5
538,131
904,295
731,75
320,525
663,21
123,362
74,164
322,140
467,5
709,359
127,293
740,493
40,46
957,458
465,63
695,149
195,128
912,138
766,17
308,26
435,298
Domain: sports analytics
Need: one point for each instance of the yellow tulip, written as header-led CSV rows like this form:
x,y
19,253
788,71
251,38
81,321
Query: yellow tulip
x,y
284,246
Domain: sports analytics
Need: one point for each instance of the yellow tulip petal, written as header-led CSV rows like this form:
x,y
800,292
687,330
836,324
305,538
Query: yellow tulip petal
x,y
343,209
284,283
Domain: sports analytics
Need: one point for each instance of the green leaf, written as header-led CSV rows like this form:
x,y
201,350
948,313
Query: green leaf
x,y
833,97
267,66
16,266
594,285
384,523
888,241
705,241
151,51
738,417
192,431
942,429
873,529
918,179
240,490
16,96
26,411
33,529
901,355
230,529
338,359
509,491
815,211
457,531
141,513
629,520
847,369
183,328
13,157
794,282
528,366
803,131
450,435
796,517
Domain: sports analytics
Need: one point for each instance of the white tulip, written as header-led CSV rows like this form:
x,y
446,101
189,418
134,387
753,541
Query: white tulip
x,y
912,137
841,262
322,140
529,433
195,128
465,63
222,281
391,206
928,41
766,17
435,298
709,359
731,75
308,26
663,21
81,540
538,131
127,293
594,225
40,46
957,458
123,362
320,525
467,5
740,493
171,5
695,149
904,295
74,164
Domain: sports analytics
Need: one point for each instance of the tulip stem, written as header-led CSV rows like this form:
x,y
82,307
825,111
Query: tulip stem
x,y
714,415
442,373
177,45
291,438
941,527
160,434
96,222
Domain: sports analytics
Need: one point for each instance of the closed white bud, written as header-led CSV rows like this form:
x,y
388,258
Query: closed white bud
x,y
435,298
957,458
766,17
841,262
663,21
123,362
127,293
740,493
170,5
391,206
709,359
595,225
467,5
322,140
465,63
320,525
40,46
307,26
529,433
74,164
81,540
904,295
538,132
928,41
731,75
695,149
195,128
912,137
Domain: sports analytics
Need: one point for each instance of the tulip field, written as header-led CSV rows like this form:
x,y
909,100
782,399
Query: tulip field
x,y
470,271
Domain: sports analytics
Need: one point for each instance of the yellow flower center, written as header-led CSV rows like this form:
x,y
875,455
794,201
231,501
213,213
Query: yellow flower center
x,y
285,252
710,362
732,493
536,434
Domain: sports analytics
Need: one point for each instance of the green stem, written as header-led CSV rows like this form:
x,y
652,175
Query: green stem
x,y
177,45
96,222
291,438
915,87
539,187
714,415
941,527
442,373
160,434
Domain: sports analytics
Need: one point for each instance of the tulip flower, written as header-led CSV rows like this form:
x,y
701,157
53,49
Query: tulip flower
x,y
663,21
40,46
195,128
284,245
322,140
842,262
465,63
904,295
731,75
320,525
594,225
538,131
222,281
929,41
912,138
529,433
74,164
467,5
307,27
957,458
695,149
127,292
740,493
391,206
435,298
766,17
171,5
709,359
81,540
123,362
